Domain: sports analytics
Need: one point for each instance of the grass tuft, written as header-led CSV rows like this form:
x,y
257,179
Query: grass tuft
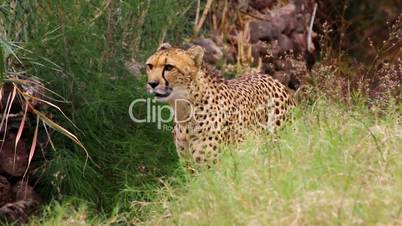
x,y
333,166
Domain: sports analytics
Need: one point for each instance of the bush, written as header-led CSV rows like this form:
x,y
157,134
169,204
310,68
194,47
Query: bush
x,y
81,49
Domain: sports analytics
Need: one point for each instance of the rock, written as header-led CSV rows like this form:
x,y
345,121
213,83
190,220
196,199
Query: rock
x,y
213,53
263,30
280,23
299,42
294,23
259,50
285,44
270,34
290,26
23,191
282,76
23,204
284,11
14,162
17,211
5,191
261,4
301,25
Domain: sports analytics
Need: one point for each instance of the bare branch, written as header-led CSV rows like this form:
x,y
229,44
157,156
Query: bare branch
x,y
198,27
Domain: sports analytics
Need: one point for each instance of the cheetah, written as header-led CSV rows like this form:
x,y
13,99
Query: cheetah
x,y
208,109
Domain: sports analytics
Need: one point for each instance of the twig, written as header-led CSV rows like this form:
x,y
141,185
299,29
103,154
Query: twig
x,y
198,27
197,13
310,31
257,15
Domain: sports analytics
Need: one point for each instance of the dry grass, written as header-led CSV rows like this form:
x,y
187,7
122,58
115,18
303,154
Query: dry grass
x,y
336,168
342,77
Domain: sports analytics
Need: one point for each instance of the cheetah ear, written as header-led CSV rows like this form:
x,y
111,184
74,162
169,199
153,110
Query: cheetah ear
x,y
197,53
164,46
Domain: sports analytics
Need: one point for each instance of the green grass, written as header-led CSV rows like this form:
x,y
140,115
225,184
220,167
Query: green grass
x,y
79,50
339,167
333,166
92,45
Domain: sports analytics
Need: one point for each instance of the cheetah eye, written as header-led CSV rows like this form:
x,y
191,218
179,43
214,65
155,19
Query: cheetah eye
x,y
150,66
168,67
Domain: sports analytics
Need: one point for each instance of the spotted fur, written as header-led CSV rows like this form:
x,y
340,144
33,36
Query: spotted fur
x,y
211,110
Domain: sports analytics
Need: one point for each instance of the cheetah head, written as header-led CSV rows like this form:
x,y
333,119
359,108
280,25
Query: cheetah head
x,y
171,70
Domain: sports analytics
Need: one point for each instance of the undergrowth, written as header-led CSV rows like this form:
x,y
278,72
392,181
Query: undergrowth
x,y
80,50
333,166
93,41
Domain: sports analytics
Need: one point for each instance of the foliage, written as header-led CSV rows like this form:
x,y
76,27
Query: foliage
x,y
317,172
91,41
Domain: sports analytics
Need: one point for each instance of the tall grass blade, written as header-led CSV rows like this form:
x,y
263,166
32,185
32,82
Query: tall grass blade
x,y
52,105
22,126
2,68
9,49
48,136
60,129
33,146
4,120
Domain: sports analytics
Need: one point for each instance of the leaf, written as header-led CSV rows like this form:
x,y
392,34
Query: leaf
x,y
33,146
22,125
52,105
48,136
60,129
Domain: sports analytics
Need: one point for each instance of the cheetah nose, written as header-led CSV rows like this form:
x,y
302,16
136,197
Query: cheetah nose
x,y
153,83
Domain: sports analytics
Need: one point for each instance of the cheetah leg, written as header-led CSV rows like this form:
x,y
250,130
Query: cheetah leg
x,y
204,152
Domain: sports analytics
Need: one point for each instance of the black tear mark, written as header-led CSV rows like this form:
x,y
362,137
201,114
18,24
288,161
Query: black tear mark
x,y
163,72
